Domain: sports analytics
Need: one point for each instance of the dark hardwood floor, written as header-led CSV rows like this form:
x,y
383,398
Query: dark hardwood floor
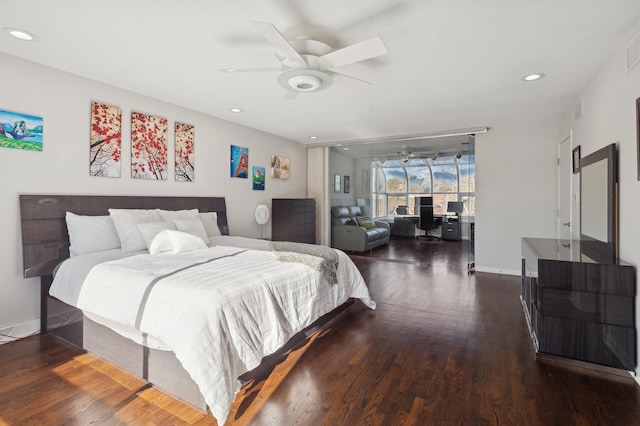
x,y
442,347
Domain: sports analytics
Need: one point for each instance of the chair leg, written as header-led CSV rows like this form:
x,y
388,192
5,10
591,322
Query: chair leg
x,y
428,237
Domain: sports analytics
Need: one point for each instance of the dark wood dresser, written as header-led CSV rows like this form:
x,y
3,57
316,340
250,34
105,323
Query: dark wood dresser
x,y
577,307
293,219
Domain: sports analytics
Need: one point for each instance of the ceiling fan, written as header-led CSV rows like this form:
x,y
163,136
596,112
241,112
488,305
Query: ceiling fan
x,y
405,154
310,65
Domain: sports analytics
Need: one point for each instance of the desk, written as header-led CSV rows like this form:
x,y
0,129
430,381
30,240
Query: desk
x,y
404,225
450,229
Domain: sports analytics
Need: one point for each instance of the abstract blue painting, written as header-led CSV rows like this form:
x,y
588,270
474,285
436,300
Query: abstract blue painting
x,y
239,162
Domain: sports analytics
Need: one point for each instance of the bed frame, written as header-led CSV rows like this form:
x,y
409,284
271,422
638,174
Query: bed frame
x,y
45,243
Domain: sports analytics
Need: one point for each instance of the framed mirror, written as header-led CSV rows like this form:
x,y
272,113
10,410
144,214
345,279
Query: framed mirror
x,y
599,205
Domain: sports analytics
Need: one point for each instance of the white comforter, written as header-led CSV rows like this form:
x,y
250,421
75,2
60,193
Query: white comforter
x,y
222,316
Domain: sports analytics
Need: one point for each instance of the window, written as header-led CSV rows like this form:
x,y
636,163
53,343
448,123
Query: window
x,y
468,184
445,183
446,178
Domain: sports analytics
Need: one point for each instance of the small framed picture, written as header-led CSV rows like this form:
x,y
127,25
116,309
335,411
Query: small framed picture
x,y
279,167
576,159
336,183
347,184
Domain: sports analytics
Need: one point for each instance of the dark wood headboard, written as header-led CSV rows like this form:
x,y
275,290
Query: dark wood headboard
x,y
45,241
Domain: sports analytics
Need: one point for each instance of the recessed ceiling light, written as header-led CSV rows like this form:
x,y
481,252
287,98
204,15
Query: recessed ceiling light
x,y
338,144
235,109
313,137
533,77
20,34
230,70
346,148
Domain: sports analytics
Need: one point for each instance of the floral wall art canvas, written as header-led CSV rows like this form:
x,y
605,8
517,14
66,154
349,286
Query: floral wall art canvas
x,y
105,141
184,150
239,162
148,147
20,131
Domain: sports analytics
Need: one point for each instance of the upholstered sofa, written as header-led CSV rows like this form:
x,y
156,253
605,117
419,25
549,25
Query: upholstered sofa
x,y
349,234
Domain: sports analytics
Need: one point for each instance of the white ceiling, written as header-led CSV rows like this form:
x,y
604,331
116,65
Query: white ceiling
x,y
451,64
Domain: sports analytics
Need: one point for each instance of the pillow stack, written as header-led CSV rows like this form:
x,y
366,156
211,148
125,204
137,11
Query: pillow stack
x,y
135,230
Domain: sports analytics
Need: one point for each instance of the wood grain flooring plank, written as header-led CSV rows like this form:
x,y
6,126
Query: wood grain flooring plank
x,y
443,347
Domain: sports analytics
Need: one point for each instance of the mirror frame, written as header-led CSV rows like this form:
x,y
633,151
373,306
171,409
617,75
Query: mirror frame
x,y
603,251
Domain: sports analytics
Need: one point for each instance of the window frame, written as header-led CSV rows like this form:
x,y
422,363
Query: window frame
x,y
383,197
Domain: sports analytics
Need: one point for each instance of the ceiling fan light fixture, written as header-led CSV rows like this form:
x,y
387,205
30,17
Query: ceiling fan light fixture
x,y
305,83
301,80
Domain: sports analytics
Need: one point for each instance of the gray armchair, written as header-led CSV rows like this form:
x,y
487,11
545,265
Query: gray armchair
x,y
348,235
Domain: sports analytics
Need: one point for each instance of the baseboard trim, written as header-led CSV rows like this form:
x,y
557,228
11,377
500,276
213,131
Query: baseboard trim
x,y
498,271
19,331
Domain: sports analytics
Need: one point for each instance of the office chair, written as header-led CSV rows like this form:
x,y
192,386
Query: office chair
x,y
427,222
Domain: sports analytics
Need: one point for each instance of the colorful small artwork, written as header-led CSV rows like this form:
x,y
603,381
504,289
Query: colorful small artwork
x,y
105,141
258,178
148,147
239,162
279,167
20,131
185,154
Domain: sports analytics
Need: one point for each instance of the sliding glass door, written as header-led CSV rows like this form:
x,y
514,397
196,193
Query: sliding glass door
x,y
468,197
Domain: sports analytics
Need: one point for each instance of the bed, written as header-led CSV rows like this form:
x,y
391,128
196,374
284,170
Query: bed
x,y
189,318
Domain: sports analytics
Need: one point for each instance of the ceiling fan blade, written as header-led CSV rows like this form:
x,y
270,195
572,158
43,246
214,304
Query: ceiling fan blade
x,y
356,52
279,41
348,81
233,70
291,95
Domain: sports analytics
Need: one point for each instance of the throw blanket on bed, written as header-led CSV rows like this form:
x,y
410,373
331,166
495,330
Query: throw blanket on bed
x,y
220,310
321,258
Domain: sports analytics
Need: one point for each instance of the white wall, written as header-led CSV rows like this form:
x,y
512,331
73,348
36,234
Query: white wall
x,y
319,188
344,166
515,193
361,185
63,100
610,117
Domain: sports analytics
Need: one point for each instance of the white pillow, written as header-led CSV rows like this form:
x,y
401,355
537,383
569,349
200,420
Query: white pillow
x,y
89,234
210,222
125,221
151,229
176,242
194,227
168,215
